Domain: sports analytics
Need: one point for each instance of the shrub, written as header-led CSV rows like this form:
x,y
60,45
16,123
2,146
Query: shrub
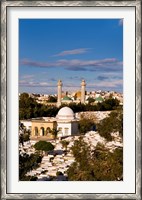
x,y
65,144
43,146
59,173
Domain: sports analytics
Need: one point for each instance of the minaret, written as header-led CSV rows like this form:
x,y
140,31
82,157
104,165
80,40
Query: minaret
x,y
59,92
83,85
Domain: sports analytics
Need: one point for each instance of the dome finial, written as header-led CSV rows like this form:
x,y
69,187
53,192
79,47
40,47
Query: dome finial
x,y
60,83
83,83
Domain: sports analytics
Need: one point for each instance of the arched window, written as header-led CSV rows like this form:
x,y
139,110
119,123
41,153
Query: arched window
x,y
48,130
36,131
42,131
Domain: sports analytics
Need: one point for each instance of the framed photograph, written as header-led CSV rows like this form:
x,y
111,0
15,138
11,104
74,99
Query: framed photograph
x,y
71,100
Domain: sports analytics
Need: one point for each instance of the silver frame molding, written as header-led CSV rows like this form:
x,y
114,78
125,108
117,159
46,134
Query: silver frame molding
x,y
124,3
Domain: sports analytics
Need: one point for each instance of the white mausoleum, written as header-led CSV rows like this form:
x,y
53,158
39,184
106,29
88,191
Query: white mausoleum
x,y
67,124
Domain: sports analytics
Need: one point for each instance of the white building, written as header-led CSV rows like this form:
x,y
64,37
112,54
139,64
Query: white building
x,y
67,123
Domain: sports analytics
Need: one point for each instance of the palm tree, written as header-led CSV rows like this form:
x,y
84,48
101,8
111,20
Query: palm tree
x,y
54,132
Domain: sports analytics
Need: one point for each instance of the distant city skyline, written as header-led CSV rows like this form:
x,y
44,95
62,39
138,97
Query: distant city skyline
x,y
70,50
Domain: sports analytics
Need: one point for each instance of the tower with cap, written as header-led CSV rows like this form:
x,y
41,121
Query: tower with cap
x,y
59,92
83,86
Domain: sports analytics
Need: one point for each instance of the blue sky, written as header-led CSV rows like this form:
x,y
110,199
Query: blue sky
x,y
70,50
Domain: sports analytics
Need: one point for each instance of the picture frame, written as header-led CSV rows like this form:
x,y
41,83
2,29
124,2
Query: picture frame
x,y
6,118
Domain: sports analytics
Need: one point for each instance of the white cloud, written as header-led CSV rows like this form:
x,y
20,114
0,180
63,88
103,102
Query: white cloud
x,y
27,76
78,65
72,52
35,84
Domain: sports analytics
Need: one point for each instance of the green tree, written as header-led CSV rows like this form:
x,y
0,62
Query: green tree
x,y
108,166
112,123
27,163
81,169
77,107
29,108
109,104
21,140
52,99
85,125
43,146
24,134
95,165
27,105
90,100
